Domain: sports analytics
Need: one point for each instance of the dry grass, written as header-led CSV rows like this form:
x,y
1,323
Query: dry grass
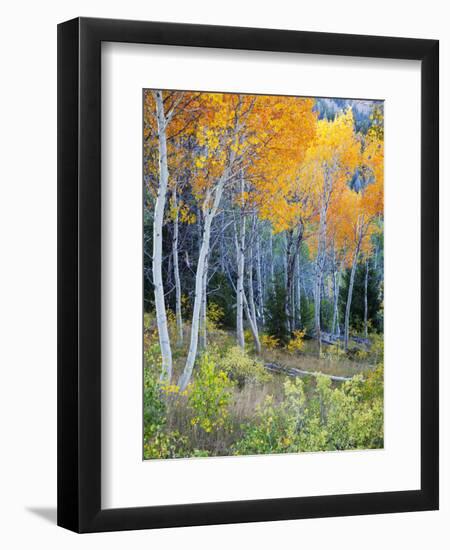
x,y
242,409
246,400
341,366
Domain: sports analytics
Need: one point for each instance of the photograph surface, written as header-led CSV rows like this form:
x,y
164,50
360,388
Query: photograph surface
x,y
263,274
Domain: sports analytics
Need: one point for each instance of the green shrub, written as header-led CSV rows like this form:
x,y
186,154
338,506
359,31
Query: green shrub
x,y
242,368
209,396
347,417
154,405
166,445
152,358
158,441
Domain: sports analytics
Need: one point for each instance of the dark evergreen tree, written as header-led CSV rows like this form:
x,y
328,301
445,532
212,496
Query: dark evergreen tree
x,y
276,319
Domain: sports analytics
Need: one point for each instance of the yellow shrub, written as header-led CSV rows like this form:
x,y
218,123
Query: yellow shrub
x,y
248,336
214,316
334,351
269,342
209,396
296,343
242,367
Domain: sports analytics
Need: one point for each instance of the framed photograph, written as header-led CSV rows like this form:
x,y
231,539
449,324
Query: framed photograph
x,y
247,275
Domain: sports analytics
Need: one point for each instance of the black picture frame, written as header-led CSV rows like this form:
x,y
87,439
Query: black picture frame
x,y
79,274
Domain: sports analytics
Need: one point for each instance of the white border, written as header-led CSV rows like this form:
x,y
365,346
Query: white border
x,y
128,481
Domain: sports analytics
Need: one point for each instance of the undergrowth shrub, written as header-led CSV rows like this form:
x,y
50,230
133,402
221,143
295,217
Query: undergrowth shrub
x,y
269,342
334,351
214,317
296,343
346,417
209,396
159,443
243,368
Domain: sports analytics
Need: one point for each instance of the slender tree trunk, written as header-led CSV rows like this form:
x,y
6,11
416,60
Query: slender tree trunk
x,y
271,285
160,306
209,215
222,244
253,326
240,291
349,297
251,294
298,290
176,272
203,310
293,244
271,261
320,261
317,303
240,257
259,278
366,280
287,279
335,329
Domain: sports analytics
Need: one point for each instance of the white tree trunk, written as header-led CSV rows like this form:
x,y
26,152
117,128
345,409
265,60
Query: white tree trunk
x,y
250,304
240,258
287,281
349,297
272,260
298,290
240,253
318,291
253,326
366,280
160,307
259,278
320,261
203,311
210,212
176,272
335,329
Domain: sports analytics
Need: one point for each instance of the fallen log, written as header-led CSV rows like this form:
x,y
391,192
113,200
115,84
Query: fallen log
x,y
331,339
290,371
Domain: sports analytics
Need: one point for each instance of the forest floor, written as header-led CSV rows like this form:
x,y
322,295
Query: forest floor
x,y
309,361
246,398
333,361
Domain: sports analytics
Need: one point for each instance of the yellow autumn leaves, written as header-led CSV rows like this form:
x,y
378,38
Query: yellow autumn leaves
x,y
287,154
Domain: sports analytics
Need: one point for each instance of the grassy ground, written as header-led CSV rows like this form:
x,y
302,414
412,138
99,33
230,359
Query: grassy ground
x,y
307,360
244,399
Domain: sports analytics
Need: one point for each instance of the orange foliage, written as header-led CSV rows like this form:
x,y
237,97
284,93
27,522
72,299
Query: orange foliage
x,y
292,161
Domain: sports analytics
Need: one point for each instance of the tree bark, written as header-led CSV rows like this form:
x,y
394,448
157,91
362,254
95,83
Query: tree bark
x,y
298,291
259,278
160,306
253,327
320,260
251,314
210,212
204,309
293,244
349,297
240,257
335,329
366,280
287,279
176,272
272,269
317,304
